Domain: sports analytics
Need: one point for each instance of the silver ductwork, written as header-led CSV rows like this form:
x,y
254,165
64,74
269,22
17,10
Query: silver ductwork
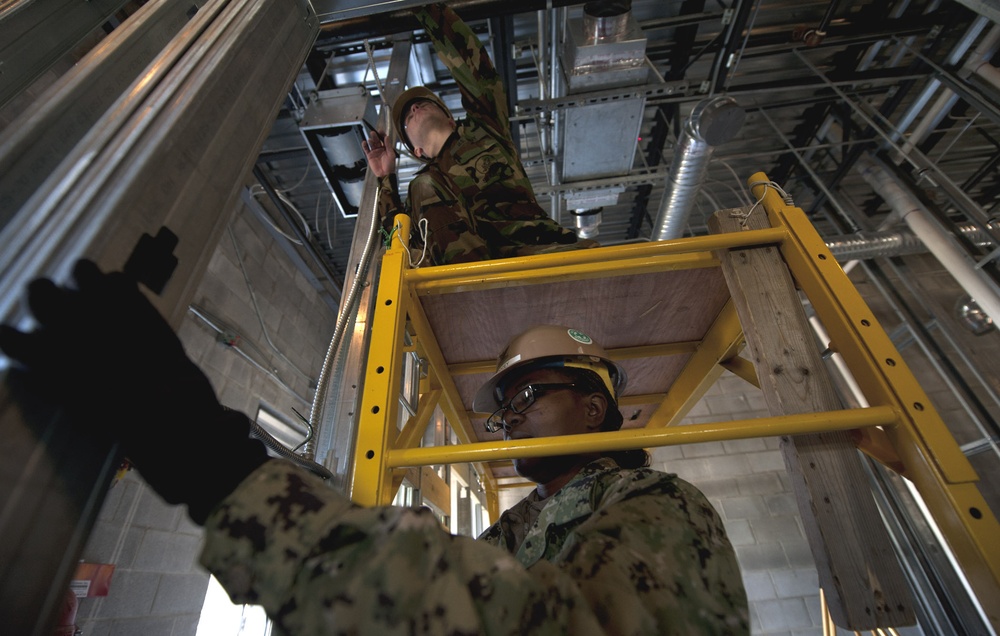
x,y
586,222
866,245
713,121
862,246
604,49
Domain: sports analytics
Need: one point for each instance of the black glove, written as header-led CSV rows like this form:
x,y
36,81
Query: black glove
x,y
104,354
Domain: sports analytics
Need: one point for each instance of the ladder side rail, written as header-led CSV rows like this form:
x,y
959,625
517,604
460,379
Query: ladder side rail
x,y
931,457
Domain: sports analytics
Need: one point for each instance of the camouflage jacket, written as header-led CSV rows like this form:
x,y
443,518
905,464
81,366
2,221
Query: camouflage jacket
x,y
615,551
475,194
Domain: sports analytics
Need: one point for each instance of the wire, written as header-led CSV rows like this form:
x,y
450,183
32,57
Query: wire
x,y
300,181
326,221
302,219
744,216
746,195
371,63
266,219
422,225
309,426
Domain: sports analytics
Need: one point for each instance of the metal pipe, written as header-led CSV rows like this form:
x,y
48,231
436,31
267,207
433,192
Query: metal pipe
x,y
362,23
979,61
933,117
958,263
712,122
633,438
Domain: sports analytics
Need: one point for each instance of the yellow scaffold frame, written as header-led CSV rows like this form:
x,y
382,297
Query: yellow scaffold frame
x,y
901,428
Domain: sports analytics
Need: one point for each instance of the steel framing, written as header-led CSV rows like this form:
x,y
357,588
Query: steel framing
x,y
901,428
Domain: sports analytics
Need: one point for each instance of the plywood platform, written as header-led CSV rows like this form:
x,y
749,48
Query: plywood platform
x,y
633,310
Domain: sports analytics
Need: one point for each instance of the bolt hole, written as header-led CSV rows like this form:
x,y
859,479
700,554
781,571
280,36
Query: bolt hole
x,y
379,369
918,406
976,513
822,257
388,302
865,323
370,454
374,409
890,362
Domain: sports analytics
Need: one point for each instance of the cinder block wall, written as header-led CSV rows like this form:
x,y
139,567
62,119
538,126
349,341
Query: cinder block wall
x,y
747,483
157,588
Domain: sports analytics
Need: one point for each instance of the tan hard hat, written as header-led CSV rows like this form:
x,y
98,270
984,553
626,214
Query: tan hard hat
x,y
550,345
400,106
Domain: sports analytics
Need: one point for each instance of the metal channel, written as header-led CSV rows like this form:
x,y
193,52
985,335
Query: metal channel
x,y
34,34
342,379
173,150
33,146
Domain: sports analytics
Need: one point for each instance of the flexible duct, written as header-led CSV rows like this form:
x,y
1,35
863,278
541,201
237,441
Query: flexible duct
x,y
713,121
939,242
893,243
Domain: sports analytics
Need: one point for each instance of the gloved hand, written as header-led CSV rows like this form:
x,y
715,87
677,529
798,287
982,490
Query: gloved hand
x,y
104,353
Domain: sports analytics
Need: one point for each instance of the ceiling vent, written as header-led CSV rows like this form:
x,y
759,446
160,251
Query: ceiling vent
x,y
333,127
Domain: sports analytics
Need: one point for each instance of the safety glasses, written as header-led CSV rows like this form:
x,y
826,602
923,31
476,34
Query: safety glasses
x,y
521,402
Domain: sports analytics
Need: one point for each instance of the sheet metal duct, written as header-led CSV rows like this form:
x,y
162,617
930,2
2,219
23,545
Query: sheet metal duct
x,y
604,49
713,121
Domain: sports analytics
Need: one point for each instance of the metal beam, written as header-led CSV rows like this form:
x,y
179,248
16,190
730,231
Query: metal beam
x,y
172,153
35,34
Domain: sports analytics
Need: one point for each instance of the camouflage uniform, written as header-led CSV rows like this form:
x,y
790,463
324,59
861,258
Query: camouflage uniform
x,y
475,195
614,551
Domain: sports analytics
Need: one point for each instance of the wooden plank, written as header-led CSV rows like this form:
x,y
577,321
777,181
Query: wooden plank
x,y
433,489
858,571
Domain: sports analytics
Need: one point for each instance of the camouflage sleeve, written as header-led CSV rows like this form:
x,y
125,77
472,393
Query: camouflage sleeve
x,y
452,232
388,203
320,565
657,561
483,94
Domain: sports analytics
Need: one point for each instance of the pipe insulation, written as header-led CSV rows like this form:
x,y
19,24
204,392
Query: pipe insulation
x,y
938,241
713,121
979,61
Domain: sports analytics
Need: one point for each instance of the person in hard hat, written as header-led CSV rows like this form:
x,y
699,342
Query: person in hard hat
x,y
472,190
602,545
647,549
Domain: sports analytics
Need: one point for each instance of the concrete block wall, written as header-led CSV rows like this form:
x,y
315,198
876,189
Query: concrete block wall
x,y
748,485
157,588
